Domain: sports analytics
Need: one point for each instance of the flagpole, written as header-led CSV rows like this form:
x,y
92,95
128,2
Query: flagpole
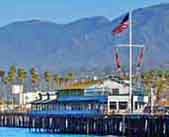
x,y
130,62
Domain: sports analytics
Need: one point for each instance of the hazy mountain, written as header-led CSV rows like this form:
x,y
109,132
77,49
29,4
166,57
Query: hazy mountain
x,y
84,44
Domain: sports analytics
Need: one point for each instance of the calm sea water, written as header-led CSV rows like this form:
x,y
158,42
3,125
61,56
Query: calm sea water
x,y
17,132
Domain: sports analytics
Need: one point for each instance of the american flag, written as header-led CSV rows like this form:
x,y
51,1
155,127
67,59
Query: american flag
x,y
122,26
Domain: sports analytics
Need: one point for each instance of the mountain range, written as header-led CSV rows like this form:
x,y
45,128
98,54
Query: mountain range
x,y
85,44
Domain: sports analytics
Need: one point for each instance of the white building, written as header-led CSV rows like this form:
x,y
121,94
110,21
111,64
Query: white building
x,y
118,95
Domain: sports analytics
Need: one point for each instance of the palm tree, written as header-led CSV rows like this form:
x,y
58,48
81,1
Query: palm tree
x,y
56,78
70,76
149,79
33,71
34,77
68,79
48,78
21,75
167,74
160,84
156,79
2,74
7,82
12,74
62,82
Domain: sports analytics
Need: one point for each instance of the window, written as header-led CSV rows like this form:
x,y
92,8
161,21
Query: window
x,y
115,91
113,105
139,105
136,105
89,107
123,105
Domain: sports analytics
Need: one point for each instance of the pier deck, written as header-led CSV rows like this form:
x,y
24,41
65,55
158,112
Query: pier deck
x,y
122,125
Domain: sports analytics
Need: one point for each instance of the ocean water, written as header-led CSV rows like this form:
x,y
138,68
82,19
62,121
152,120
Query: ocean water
x,y
19,132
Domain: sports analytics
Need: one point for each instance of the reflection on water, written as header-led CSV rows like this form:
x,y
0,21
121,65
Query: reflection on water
x,y
18,132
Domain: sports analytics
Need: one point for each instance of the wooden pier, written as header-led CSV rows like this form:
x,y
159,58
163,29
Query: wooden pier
x,y
122,125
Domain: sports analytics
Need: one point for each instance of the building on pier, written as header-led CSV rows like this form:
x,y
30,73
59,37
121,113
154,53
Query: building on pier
x,y
72,105
110,96
117,92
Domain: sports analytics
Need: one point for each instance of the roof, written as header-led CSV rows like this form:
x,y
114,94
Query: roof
x,y
70,89
74,99
101,99
35,101
39,101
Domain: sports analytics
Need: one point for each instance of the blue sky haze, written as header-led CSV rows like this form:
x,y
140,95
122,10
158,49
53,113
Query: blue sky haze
x,y
64,11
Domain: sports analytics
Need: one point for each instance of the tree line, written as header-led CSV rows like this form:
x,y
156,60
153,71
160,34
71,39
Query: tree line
x,y
157,78
19,75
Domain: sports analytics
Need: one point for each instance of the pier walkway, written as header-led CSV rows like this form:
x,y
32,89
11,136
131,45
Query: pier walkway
x,y
121,125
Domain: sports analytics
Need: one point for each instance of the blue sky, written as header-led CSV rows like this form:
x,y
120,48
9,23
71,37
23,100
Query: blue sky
x,y
64,11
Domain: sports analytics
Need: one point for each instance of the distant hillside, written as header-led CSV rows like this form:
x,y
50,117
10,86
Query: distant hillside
x,y
85,44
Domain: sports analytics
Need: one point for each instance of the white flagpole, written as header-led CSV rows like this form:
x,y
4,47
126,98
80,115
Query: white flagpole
x,y
130,61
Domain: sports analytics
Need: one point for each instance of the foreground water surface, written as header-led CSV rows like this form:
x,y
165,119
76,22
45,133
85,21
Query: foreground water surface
x,y
18,132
